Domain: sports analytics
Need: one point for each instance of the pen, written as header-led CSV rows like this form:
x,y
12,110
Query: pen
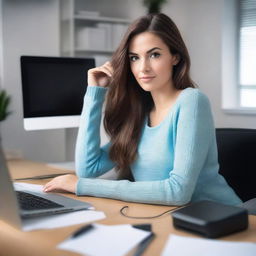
x,y
144,244
82,230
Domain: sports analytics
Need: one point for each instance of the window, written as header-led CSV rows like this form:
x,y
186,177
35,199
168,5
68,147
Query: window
x,y
247,53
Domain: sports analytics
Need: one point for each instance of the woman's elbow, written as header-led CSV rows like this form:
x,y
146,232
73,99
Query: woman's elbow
x,y
181,198
183,201
86,171
80,173
82,170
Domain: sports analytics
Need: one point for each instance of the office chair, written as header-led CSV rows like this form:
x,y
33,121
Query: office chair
x,y
237,159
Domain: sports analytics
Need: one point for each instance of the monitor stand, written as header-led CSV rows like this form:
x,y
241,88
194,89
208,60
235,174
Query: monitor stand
x,y
70,141
69,164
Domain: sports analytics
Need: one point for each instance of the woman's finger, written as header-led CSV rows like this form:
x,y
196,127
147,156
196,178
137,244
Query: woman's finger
x,y
106,71
109,66
99,71
48,186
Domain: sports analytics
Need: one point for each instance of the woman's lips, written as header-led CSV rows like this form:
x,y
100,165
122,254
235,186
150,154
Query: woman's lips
x,y
146,78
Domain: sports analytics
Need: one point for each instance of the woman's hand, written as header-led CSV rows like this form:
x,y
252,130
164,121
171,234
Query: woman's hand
x,y
100,76
65,183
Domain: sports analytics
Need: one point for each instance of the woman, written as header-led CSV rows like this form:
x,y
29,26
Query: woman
x,y
162,135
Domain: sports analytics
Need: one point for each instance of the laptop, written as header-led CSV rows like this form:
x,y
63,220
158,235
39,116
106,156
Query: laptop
x,y
18,205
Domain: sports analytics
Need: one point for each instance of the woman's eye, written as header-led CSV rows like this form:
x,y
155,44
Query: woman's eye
x,y
133,58
155,55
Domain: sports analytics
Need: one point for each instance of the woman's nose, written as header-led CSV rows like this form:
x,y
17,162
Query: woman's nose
x,y
145,66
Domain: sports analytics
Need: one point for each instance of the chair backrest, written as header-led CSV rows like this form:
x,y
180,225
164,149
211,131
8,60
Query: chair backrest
x,y
237,159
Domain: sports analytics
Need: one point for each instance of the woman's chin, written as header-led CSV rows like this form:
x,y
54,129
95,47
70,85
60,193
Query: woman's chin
x,y
147,87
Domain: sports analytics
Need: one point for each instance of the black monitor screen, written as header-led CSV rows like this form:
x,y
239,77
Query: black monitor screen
x,y
53,86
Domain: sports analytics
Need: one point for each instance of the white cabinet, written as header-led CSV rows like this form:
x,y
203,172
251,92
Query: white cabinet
x,y
87,33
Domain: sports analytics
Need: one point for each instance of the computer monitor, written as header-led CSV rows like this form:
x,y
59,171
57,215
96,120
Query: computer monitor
x,y
53,89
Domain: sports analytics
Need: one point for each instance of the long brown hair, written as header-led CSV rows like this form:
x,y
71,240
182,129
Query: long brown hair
x,y
127,104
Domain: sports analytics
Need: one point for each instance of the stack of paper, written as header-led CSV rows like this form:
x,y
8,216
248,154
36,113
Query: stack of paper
x,y
187,246
118,31
61,220
91,38
102,240
108,35
104,36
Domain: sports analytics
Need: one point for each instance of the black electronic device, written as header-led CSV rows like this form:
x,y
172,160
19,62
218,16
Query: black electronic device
x,y
210,219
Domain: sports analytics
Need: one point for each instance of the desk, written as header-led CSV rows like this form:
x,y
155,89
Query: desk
x,y
15,242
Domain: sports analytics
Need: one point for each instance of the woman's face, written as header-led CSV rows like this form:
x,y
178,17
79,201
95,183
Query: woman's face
x,y
151,62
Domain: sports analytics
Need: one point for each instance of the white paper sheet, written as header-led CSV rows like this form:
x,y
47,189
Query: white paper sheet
x,y
102,240
29,187
62,220
187,246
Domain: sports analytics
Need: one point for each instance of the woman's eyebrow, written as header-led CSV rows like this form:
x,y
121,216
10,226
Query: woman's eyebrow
x,y
151,50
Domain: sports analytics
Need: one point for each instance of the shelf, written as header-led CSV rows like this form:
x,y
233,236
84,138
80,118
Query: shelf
x,y
81,30
94,51
101,19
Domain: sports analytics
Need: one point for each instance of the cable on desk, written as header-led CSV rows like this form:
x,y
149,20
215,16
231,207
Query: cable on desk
x,y
145,217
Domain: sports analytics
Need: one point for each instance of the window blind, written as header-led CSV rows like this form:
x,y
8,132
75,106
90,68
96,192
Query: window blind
x,y
247,43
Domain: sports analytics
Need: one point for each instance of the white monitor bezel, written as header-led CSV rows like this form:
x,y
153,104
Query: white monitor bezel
x,y
53,122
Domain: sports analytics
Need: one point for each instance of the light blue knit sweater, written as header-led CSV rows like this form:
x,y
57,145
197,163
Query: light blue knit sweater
x,y
177,160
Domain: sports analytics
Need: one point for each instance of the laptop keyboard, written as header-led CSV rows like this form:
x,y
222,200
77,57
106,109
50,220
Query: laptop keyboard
x,y
32,202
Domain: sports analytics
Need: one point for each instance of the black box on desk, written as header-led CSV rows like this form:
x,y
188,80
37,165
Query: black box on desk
x,y
210,219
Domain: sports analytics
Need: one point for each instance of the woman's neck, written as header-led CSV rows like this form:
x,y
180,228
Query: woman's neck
x,y
165,99
163,102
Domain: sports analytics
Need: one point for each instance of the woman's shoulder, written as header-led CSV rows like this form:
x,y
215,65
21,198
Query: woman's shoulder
x,y
193,96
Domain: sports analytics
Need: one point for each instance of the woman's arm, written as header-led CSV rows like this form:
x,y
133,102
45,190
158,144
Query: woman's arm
x,y
91,160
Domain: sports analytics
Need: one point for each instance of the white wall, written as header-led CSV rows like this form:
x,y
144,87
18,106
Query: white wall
x,y
202,23
1,44
31,27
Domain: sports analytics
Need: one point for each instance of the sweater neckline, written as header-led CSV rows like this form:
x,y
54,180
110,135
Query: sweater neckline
x,y
171,110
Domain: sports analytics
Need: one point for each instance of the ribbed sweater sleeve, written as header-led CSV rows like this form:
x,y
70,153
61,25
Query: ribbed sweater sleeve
x,y
194,126
91,160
